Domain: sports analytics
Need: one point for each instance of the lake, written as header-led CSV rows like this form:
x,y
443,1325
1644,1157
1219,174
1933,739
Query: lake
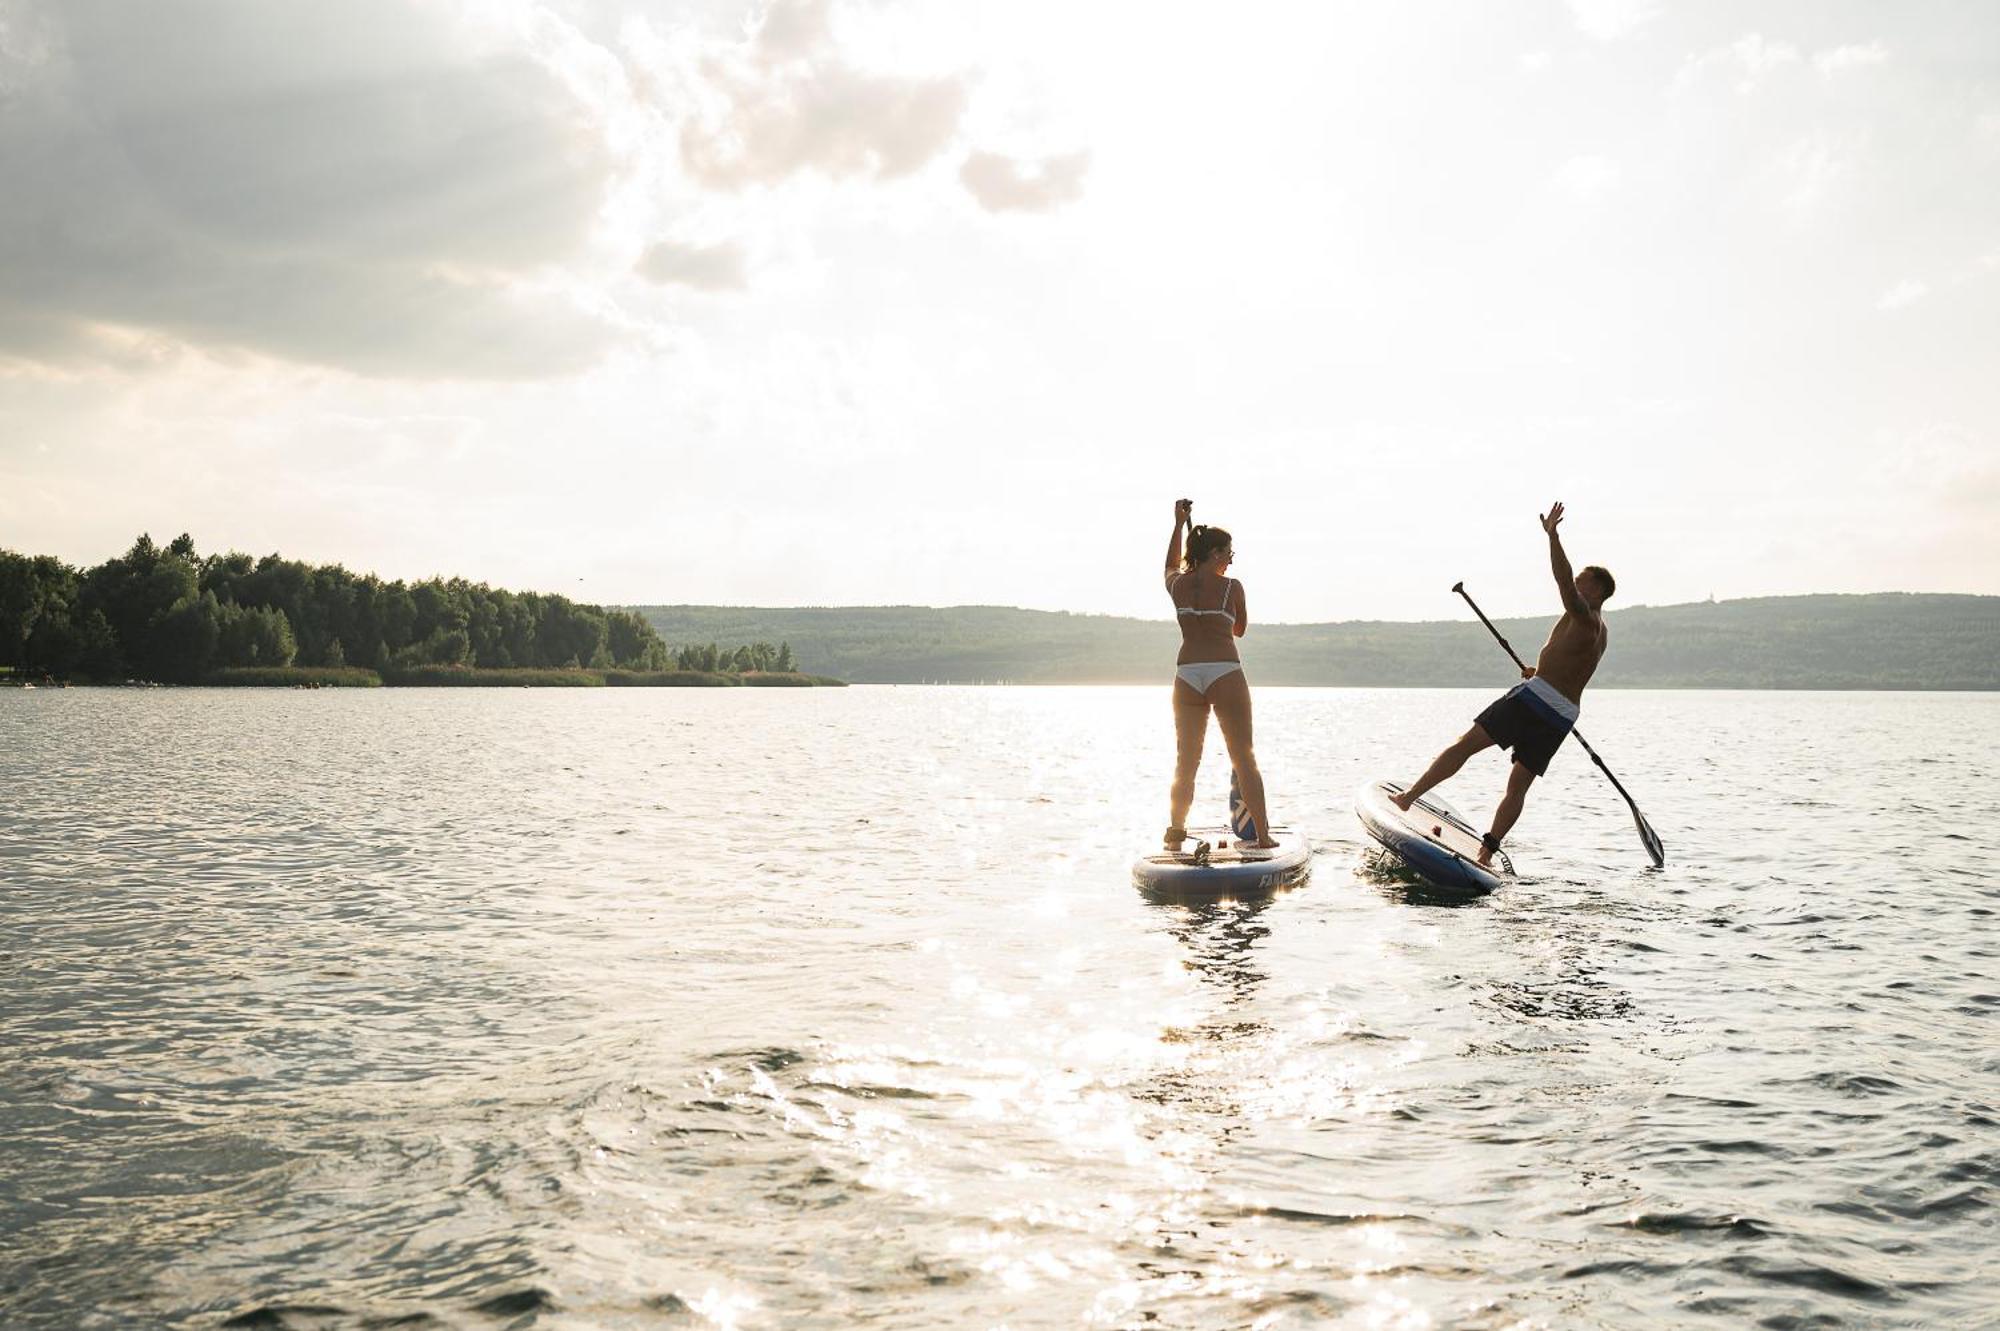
x,y
761,1008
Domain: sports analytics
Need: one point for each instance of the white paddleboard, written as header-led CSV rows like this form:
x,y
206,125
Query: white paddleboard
x,y
1225,871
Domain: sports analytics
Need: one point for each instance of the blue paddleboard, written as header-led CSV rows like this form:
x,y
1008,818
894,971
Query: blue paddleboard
x,y
1431,838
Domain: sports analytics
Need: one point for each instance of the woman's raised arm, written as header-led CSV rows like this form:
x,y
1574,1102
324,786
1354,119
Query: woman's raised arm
x,y
1183,511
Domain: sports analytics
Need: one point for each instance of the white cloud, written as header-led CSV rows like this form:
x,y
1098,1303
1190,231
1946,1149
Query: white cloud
x,y
1811,173
277,179
787,101
719,267
1750,59
1842,58
1610,20
1006,184
1587,178
1903,295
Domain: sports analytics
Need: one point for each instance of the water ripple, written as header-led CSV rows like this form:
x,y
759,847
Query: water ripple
x,y
835,1008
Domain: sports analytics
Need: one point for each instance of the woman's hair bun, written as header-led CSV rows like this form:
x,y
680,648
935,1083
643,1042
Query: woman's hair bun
x,y
1202,542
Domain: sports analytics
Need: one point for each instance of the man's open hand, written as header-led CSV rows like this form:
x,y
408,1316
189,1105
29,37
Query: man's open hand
x,y
1553,518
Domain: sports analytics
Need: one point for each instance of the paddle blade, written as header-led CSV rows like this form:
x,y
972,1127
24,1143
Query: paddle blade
x,y
1650,838
1240,821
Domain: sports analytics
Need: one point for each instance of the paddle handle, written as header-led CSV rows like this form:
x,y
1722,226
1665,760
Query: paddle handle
x,y
1459,587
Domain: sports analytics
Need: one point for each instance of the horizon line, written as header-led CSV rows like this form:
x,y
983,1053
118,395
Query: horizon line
x,y
1273,623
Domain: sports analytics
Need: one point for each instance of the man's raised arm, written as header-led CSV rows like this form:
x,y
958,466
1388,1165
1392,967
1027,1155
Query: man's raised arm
x,y
1573,602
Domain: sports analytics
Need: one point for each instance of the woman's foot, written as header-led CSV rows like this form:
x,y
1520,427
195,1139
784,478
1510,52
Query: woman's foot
x,y
1172,840
1402,799
1261,843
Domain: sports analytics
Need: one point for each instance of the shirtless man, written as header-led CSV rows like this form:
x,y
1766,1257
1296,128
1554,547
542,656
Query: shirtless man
x,y
1536,714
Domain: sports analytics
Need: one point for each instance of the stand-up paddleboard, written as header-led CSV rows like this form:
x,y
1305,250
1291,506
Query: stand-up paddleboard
x,y
1223,871
1431,838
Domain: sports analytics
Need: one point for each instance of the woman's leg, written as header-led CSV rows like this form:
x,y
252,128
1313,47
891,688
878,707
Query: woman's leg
x,y
1190,729
1230,696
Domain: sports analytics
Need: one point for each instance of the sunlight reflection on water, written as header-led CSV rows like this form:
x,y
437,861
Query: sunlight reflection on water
x,y
645,1008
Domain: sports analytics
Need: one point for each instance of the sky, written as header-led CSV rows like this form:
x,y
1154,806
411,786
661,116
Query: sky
x,y
885,302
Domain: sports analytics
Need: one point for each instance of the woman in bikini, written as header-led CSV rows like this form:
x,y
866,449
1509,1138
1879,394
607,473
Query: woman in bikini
x,y
1208,672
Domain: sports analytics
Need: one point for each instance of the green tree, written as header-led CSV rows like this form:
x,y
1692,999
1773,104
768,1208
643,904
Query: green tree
x,y
137,593
518,616
568,635
398,614
254,636
25,592
183,644
632,641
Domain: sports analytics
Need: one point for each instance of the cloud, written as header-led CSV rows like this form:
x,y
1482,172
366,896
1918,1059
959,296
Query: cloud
x,y
1611,20
717,267
1811,173
1587,178
1750,58
1950,465
1903,295
1842,58
787,102
1008,184
278,179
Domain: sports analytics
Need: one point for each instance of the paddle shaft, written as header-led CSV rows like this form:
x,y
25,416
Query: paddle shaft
x,y
1646,833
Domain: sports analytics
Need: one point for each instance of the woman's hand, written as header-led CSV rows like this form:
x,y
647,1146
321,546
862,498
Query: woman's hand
x,y
1183,512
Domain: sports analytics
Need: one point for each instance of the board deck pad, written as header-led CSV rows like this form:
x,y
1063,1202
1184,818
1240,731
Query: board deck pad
x,y
1433,838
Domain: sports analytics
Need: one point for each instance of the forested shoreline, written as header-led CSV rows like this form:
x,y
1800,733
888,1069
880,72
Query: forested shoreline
x,y
166,614
1887,640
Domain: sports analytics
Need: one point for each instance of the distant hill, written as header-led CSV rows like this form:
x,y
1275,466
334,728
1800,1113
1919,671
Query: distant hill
x,y
1888,641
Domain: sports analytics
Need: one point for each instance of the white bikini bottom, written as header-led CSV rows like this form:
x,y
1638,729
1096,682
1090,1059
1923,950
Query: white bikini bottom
x,y
1201,675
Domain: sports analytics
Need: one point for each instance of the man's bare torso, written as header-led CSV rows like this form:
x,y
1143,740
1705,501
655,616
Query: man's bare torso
x,y
1569,658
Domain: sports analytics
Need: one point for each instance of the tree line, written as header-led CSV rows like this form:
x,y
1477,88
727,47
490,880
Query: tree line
x,y
1887,640
758,656
167,613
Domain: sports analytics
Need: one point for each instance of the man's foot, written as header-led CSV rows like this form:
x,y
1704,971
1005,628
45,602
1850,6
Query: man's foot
x,y
1175,835
1488,846
1484,859
1403,799
1261,843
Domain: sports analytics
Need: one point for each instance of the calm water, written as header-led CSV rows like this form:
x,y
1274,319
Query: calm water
x,y
767,1008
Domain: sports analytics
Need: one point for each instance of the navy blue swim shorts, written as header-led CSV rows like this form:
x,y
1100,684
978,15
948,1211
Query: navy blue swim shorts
x,y
1532,720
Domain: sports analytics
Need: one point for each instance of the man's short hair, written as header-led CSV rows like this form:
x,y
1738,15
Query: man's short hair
x,y
1603,575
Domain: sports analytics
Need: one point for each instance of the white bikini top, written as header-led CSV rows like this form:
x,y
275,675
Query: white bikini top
x,y
1228,586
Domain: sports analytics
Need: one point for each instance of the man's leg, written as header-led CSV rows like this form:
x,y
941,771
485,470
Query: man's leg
x,y
1519,778
1445,765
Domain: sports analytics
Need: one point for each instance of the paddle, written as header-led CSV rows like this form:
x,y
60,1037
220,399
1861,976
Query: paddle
x,y
1646,833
